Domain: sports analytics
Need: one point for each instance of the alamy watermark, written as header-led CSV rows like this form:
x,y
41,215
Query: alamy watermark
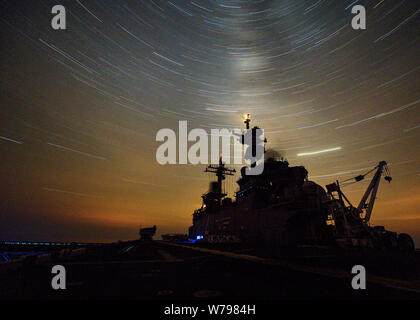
x,y
359,280
58,22
59,280
359,20
247,145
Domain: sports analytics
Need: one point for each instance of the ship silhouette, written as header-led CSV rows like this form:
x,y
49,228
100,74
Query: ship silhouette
x,y
282,208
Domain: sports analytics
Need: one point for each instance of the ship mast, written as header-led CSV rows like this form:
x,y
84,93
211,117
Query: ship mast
x,y
221,172
247,120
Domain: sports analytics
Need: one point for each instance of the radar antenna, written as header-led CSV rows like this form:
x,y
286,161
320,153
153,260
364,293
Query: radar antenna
x,y
221,172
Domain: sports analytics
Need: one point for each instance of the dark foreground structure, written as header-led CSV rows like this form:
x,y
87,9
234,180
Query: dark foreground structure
x,y
155,270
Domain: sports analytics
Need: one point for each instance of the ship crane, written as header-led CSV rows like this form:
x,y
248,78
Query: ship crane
x,y
353,222
372,189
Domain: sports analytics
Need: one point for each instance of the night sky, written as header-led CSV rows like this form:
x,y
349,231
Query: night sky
x,y
80,108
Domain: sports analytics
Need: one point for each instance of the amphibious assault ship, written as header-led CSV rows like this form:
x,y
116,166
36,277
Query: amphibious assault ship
x,y
282,208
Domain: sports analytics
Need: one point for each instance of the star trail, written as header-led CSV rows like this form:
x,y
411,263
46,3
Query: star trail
x,y
80,107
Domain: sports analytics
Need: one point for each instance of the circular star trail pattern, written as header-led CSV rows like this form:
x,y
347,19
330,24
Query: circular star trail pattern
x,y
81,106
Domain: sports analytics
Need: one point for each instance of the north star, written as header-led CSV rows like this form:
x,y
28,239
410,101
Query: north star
x,y
181,310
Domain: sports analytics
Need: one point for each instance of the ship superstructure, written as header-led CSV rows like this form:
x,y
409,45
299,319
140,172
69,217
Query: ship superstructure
x,y
282,208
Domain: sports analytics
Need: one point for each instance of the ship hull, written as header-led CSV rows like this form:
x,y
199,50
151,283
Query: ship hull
x,y
281,225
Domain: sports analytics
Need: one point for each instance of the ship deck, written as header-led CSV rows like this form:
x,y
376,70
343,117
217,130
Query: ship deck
x,y
158,270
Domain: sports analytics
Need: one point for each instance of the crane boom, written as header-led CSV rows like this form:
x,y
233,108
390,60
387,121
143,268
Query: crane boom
x,y
372,191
